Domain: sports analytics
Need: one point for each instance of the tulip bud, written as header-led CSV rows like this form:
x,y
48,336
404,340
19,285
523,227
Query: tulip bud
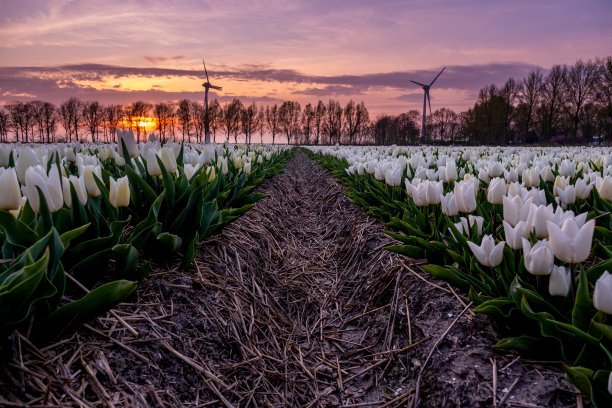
x,y
35,177
212,175
27,158
90,182
539,259
152,165
10,198
127,136
602,297
465,196
168,158
604,188
496,191
119,195
515,235
247,168
559,282
449,207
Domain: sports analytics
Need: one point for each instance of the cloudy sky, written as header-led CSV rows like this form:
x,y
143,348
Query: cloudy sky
x,y
272,50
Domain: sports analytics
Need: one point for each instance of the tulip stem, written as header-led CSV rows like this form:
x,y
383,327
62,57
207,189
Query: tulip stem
x,y
573,283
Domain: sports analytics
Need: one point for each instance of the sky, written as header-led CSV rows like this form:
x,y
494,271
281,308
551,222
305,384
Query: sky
x,y
268,51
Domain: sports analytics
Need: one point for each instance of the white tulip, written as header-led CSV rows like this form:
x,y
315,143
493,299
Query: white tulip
x,y
602,297
538,216
90,183
539,259
168,158
604,188
35,177
152,165
488,253
79,187
127,136
27,158
570,243
467,223
559,281
583,189
119,194
449,207
465,197
515,235
496,191
566,195
10,198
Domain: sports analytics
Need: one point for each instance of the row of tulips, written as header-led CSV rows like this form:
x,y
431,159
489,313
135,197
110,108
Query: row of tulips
x,y
85,214
526,232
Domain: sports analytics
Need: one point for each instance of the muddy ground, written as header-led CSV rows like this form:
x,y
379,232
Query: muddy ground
x,y
295,304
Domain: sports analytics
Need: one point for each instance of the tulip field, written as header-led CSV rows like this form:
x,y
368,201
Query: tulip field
x,y
526,232
78,216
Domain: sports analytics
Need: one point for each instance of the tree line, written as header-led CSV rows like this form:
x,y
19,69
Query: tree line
x,y
570,104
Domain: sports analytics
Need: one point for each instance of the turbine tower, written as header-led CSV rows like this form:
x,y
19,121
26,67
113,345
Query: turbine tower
x,y
207,85
425,101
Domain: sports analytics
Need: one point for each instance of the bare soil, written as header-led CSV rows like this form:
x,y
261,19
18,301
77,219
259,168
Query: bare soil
x,y
295,304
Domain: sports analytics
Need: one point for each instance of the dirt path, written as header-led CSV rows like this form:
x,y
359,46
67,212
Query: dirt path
x,y
295,304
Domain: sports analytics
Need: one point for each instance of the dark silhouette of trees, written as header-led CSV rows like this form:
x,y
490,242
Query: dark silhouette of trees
x,y
319,120
163,115
93,116
272,120
356,118
333,121
249,121
231,119
579,90
214,117
197,116
289,118
4,125
183,114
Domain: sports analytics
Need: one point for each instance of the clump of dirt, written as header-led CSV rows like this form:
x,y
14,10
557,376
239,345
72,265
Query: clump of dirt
x,y
297,303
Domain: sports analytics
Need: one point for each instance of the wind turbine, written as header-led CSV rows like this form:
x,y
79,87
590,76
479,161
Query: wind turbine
x,y
425,101
207,85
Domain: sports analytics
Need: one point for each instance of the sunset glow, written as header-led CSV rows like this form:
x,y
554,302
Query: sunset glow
x,y
268,51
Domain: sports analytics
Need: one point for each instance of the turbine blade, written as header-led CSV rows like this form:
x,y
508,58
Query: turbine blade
x,y
437,77
429,101
216,87
205,71
418,83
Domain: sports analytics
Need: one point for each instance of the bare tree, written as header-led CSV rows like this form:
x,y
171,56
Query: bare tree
x,y
552,98
333,121
139,113
73,108
92,117
289,119
4,125
231,118
355,117
579,90
197,116
529,99
272,120
50,118
36,110
114,115
261,122
183,114
307,123
319,120
214,117
163,114
509,93
248,121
